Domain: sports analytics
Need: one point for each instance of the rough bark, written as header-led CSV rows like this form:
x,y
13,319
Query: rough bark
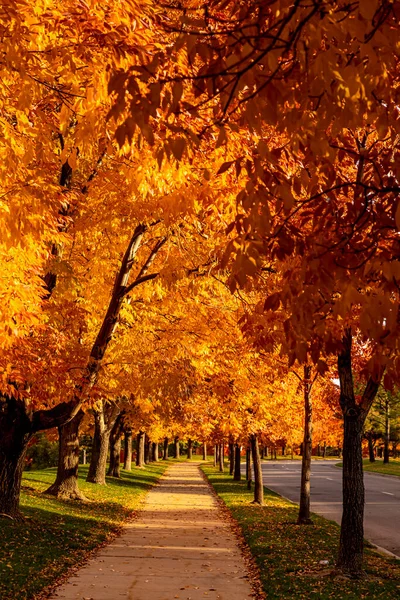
x,y
231,458
236,473
371,448
140,440
204,450
66,485
350,558
128,449
305,487
386,438
105,415
190,449
221,458
147,445
15,433
258,478
248,468
154,452
176,447
114,469
165,449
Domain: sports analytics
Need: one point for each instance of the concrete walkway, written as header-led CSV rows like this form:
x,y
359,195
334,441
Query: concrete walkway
x,y
179,547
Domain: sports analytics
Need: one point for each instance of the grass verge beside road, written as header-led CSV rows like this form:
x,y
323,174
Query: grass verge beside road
x,y
289,556
58,534
393,468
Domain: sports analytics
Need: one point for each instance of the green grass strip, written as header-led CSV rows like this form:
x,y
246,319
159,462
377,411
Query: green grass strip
x,y
60,534
289,555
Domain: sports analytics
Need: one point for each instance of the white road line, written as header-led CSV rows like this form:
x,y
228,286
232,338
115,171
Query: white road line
x,y
330,479
388,493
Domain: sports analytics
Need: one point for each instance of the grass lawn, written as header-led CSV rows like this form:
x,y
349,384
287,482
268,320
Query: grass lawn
x,y
393,468
289,555
59,534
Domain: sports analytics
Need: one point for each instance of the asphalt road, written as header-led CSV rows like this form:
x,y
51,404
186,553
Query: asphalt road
x,y
382,509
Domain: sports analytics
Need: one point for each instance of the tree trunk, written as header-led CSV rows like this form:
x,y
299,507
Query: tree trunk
x,y
231,458
352,529
248,467
324,451
236,473
176,447
115,459
215,455
105,415
190,449
371,449
283,450
66,486
387,434
258,478
147,444
15,433
140,449
305,488
350,557
266,451
114,469
221,458
128,449
205,451
154,452
165,449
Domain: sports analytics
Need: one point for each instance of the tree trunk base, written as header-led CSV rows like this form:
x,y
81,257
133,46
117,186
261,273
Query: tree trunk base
x,y
305,521
347,575
66,494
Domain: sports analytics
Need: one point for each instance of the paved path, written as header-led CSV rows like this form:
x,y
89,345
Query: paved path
x,y
382,495
179,547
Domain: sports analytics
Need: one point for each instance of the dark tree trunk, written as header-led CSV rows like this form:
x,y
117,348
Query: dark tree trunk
x,y
386,439
128,449
176,447
154,452
231,458
190,449
165,449
215,455
352,530
248,467
371,449
98,462
115,459
147,444
205,451
283,450
114,469
319,449
258,478
236,473
15,433
66,486
140,449
324,451
104,419
350,559
221,457
305,488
